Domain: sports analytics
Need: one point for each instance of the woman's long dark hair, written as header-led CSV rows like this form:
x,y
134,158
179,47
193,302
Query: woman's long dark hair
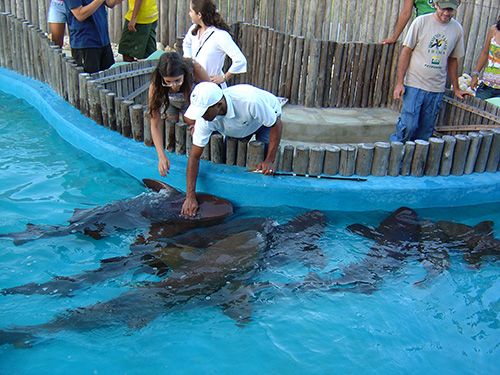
x,y
498,23
209,15
171,64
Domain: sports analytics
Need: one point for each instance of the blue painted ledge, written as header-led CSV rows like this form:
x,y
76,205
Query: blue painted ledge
x,y
249,189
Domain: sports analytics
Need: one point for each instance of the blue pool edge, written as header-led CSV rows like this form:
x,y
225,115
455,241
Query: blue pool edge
x,y
244,188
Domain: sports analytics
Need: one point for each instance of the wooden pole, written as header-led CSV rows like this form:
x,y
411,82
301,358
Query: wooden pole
x,y
381,158
104,106
110,107
255,154
300,160
396,158
241,155
364,159
494,157
287,158
332,160
447,156
484,151
460,155
347,160
148,138
180,138
407,158
436,146
217,151
316,160
419,158
137,122
231,150
475,145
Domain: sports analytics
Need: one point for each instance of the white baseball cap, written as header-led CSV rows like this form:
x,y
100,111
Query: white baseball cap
x,y
204,95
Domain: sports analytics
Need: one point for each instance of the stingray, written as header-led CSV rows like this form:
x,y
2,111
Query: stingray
x,y
223,274
155,211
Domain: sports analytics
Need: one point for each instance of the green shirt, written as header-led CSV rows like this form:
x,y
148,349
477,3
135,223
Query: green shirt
x,y
424,6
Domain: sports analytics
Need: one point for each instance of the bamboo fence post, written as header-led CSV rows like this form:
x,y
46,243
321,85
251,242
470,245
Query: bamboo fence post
x,y
137,122
419,158
231,150
180,129
110,107
364,159
300,160
95,110
316,161
332,160
104,106
241,154
459,158
395,158
287,158
381,157
148,138
447,156
170,135
407,158
125,117
494,157
82,93
255,154
347,160
475,145
484,151
436,146
217,151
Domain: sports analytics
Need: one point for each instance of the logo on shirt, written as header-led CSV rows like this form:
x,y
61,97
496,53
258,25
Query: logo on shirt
x,y
438,45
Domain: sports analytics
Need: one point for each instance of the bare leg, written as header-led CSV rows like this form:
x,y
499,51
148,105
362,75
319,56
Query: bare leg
x,y
57,31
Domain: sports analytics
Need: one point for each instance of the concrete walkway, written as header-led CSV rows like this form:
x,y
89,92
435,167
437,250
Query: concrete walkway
x,y
337,125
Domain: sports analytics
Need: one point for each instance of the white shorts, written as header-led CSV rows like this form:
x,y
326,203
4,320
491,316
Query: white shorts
x,y
57,12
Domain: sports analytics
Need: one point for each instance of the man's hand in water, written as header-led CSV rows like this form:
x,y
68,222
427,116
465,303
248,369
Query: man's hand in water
x,y
189,207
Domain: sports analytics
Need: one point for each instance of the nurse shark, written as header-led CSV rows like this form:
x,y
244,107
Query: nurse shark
x,y
401,237
222,274
157,210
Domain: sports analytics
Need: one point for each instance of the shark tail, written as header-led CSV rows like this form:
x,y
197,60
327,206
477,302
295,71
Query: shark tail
x,y
34,232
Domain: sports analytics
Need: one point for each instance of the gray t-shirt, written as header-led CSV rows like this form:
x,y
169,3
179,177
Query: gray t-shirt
x,y
432,43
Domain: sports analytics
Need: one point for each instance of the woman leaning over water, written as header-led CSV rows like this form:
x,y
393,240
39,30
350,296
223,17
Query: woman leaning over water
x,y
171,84
208,41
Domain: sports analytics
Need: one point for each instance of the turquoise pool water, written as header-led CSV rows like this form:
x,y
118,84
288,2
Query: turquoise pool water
x,y
449,325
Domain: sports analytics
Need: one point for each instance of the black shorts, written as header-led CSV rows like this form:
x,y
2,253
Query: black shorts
x,y
93,59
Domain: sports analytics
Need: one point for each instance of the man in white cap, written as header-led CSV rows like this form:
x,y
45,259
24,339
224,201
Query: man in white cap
x,y
431,50
238,111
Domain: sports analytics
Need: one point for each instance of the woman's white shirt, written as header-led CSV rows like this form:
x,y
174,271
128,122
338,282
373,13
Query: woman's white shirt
x,y
211,49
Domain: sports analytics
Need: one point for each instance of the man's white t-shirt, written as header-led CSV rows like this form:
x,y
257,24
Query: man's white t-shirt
x,y
248,108
432,43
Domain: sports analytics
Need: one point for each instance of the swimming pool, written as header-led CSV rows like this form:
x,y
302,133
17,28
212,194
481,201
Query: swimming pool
x,y
449,325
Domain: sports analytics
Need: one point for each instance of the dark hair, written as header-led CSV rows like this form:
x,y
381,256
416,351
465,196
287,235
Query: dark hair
x,y
498,23
209,15
171,64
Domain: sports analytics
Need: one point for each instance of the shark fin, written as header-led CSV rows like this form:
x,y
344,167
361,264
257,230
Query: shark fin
x,y
156,185
238,304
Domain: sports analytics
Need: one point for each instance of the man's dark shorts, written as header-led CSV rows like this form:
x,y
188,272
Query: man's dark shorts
x,y
93,59
139,44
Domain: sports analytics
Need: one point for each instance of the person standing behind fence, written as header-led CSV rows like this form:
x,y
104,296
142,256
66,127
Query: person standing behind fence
x,y
489,57
431,49
208,41
171,84
138,39
421,6
88,31
57,21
